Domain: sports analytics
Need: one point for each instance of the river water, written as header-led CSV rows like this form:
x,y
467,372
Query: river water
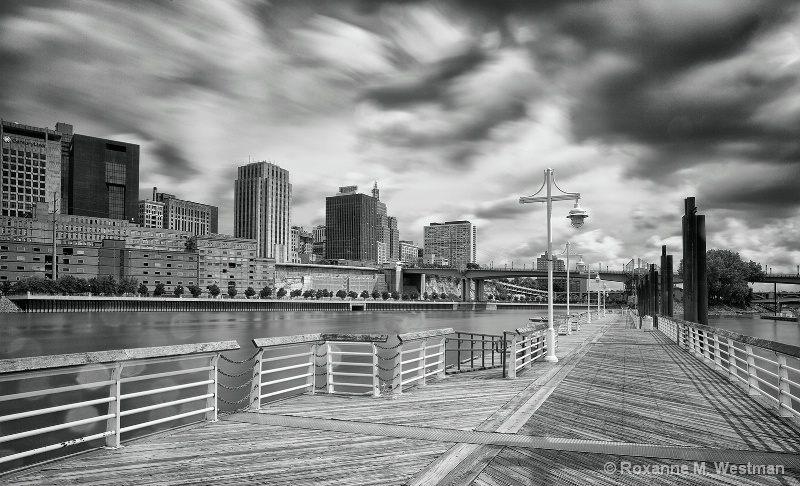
x,y
32,334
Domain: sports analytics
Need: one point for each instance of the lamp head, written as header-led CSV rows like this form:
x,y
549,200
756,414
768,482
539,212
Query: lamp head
x,y
597,279
577,215
580,266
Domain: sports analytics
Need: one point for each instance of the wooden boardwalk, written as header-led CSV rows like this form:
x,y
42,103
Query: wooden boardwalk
x,y
618,396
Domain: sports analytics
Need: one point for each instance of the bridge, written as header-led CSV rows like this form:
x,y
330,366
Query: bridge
x,y
476,277
624,405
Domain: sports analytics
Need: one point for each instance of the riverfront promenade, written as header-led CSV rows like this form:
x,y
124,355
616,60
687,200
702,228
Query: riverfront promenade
x,y
618,398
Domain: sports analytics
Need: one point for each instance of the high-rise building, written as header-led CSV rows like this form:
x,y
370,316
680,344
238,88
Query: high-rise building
x,y
263,209
151,214
319,242
393,239
558,264
302,245
103,178
409,252
65,129
31,169
351,229
454,241
182,215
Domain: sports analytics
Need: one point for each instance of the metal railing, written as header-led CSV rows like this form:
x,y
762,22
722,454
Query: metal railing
x,y
139,388
292,365
764,368
525,345
475,351
420,355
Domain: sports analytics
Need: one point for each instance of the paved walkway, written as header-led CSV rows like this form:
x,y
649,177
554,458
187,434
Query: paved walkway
x,y
620,403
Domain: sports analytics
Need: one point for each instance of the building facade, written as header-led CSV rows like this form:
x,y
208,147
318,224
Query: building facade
x,y
31,171
227,261
351,229
262,208
319,242
103,179
189,216
409,252
454,241
151,213
558,264
393,239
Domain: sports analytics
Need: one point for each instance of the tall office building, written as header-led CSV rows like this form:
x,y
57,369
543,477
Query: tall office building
x,y
319,242
409,252
65,129
103,178
31,168
454,241
351,229
393,239
558,264
263,209
182,215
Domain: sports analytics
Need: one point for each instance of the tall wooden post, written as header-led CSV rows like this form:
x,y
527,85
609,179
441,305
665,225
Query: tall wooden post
x,y
668,272
663,280
654,294
689,277
702,280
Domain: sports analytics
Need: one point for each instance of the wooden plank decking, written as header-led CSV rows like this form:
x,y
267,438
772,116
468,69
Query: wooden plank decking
x,y
617,395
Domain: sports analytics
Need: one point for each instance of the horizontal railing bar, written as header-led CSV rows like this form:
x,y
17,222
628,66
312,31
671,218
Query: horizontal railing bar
x,y
787,407
277,358
285,390
165,419
166,373
341,373
53,447
282,380
309,338
412,369
414,350
410,380
474,350
350,353
29,375
52,428
120,355
59,408
360,394
472,340
356,385
412,360
766,383
51,391
434,363
434,372
165,389
284,368
173,359
165,404
349,363
770,373
791,368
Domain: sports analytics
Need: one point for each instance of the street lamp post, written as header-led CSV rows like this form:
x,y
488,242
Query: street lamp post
x,y
581,266
568,254
576,216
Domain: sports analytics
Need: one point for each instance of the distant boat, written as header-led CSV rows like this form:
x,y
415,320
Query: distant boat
x,y
537,319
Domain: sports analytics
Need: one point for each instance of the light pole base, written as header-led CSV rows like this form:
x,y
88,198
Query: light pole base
x,y
551,359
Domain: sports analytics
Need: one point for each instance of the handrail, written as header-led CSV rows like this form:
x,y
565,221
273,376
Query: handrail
x,y
735,356
15,365
324,336
411,336
161,380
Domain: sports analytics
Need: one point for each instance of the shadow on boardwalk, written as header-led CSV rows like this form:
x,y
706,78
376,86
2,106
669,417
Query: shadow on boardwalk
x,y
618,397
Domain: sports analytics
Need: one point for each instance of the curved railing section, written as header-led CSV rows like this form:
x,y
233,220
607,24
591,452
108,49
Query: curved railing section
x,y
51,403
764,368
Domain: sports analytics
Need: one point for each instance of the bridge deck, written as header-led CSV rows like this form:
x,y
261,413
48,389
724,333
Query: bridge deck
x,y
618,395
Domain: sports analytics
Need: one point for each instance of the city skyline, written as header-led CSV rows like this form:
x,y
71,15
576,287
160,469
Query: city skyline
x,y
455,108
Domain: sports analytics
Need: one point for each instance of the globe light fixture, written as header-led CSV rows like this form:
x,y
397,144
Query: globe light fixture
x,y
577,218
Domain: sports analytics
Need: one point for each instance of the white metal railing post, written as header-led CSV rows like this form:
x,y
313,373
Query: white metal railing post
x,y
255,393
785,403
424,362
531,351
397,370
328,367
114,407
733,373
211,415
511,361
376,383
717,353
312,369
752,382
442,366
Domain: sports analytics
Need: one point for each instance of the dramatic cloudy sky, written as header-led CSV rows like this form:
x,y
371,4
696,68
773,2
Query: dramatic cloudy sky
x,y
454,107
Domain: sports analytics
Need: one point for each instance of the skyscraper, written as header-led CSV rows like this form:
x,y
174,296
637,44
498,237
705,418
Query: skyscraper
x,y
103,179
31,168
263,208
393,239
455,241
351,226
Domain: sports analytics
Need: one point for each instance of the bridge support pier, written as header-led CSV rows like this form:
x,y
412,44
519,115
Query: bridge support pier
x,y
421,286
480,285
466,289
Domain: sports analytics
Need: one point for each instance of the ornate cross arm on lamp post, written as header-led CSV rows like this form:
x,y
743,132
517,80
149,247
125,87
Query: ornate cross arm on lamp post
x,y
576,216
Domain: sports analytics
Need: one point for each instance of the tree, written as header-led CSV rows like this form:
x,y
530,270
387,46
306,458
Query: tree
x,y
194,290
352,294
443,295
385,294
406,296
127,285
727,276
214,290
395,295
425,295
326,293
295,293
68,285
282,293
434,295
104,285
341,294
473,266
376,294
265,293
319,294
143,290
365,294
308,293
178,290
250,292
414,295
232,291
159,290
